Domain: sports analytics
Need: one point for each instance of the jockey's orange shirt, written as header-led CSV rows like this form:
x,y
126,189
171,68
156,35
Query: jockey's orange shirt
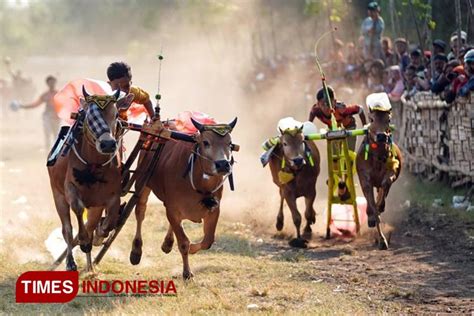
x,y
141,97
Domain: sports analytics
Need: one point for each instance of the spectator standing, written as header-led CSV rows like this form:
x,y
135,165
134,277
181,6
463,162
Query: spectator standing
x,y
372,29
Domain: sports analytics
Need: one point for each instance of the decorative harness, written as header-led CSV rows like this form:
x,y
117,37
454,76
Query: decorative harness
x,y
391,159
284,175
94,124
221,130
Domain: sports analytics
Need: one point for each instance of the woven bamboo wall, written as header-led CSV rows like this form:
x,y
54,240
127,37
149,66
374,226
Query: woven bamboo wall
x,y
436,138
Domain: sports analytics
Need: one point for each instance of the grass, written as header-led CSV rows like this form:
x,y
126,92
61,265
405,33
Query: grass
x,y
232,277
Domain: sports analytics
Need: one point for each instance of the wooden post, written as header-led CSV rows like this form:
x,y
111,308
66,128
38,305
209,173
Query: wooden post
x,y
457,6
392,18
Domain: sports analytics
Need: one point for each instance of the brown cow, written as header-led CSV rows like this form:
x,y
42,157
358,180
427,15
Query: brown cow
x,y
189,180
294,164
89,175
378,162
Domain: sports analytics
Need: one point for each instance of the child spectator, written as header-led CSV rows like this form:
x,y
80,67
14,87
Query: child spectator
x,y
396,84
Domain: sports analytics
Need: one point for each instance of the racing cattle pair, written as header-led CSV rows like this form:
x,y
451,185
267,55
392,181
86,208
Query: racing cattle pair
x,y
88,176
188,179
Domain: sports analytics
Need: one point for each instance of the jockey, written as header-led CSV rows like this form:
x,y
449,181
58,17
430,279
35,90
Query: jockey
x,y
67,100
120,77
344,114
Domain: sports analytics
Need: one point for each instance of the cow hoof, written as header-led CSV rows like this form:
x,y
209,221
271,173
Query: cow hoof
x,y
87,247
298,243
97,241
307,233
372,222
71,266
279,225
135,257
383,245
187,275
167,246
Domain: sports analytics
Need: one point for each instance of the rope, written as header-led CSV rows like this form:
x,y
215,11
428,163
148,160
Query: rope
x,y
191,172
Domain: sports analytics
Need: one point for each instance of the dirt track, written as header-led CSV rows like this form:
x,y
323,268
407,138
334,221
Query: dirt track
x,y
428,268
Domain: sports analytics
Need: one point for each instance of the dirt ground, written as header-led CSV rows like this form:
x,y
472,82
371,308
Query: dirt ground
x,y
428,268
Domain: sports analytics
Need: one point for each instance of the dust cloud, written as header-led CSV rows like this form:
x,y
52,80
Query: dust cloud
x,y
205,69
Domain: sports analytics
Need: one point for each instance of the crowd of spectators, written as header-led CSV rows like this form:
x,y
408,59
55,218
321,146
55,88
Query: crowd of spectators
x,y
401,68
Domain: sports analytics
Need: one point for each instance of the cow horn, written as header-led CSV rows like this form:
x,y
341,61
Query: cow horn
x,y
84,92
117,94
232,124
198,125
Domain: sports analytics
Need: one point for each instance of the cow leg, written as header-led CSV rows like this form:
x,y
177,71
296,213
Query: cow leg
x,y
62,207
280,217
368,190
167,244
183,241
298,241
140,209
111,218
94,215
210,223
381,196
78,207
309,214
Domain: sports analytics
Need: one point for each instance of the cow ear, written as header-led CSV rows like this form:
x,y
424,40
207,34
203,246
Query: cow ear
x,y
198,125
233,123
125,102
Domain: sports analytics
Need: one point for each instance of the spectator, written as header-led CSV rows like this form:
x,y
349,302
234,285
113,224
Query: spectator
x,y
443,81
372,30
439,47
416,59
469,69
401,46
453,43
410,84
375,79
396,83
459,80
389,56
439,63
421,81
